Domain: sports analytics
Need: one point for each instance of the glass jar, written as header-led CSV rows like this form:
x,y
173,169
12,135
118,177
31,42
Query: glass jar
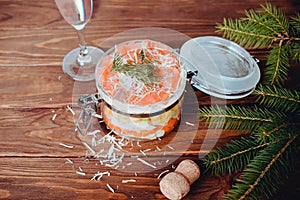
x,y
141,84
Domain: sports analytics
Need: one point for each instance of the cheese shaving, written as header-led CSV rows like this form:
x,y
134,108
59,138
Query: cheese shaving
x,y
143,153
54,117
65,145
170,147
99,175
81,173
190,124
146,163
71,110
162,173
89,148
110,188
69,161
129,181
97,115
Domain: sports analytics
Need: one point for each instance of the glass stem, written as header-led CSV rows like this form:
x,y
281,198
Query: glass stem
x,y
83,56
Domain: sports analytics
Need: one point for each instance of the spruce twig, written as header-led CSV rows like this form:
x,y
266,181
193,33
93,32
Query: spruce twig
x,y
237,117
236,155
267,28
264,173
268,154
280,98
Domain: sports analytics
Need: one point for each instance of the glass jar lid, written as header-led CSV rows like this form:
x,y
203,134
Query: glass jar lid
x,y
222,68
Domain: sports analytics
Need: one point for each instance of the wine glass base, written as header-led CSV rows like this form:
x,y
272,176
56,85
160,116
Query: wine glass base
x,y
85,71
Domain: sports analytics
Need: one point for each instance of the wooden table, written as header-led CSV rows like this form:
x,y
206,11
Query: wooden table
x,y
35,93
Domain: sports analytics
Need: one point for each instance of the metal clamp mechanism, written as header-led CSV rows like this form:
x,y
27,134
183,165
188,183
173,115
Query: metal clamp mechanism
x,y
87,104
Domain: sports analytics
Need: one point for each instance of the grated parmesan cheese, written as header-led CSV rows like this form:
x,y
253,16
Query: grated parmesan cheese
x,y
162,173
190,124
71,110
54,117
129,181
99,175
97,115
89,148
69,161
146,163
143,153
110,188
65,145
81,173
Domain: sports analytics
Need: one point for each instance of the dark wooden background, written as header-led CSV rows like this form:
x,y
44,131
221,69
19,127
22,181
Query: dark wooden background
x,y
33,41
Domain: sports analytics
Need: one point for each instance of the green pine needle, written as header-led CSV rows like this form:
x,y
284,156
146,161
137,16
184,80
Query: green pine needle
x,y
259,23
268,154
241,33
295,21
237,117
281,130
280,21
234,156
267,28
295,51
278,65
266,171
280,98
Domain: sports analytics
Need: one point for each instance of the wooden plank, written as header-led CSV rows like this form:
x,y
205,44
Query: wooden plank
x,y
46,123
33,132
42,87
19,14
55,178
52,178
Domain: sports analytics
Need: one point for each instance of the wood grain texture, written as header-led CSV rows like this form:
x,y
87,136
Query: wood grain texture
x,y
34,39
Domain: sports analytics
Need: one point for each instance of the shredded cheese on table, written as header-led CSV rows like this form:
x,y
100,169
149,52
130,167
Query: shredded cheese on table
x,y
110,188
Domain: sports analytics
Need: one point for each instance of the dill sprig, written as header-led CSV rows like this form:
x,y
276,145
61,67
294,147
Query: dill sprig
x,y
144,69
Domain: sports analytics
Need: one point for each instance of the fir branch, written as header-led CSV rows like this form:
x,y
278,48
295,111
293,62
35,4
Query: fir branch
x,y
242,34
295,52
237,117
280,20
295,21
234,156
266,171
256,22
275,142
279,98
280,130
278,65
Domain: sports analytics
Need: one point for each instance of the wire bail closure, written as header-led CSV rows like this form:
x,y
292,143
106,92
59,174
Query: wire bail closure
x,y
88,104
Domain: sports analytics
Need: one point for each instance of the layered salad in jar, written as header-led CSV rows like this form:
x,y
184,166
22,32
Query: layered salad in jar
x,y
141,84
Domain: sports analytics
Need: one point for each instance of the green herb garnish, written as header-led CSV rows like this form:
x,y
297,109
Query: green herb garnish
x,y
143,70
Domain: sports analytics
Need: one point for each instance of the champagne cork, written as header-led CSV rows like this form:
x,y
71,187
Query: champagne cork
x,y
189,169
175,185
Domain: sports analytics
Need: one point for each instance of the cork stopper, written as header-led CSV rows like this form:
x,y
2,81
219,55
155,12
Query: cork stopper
x,y
174,186
188,169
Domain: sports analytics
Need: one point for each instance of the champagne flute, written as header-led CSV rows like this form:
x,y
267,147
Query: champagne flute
x,y
79,63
